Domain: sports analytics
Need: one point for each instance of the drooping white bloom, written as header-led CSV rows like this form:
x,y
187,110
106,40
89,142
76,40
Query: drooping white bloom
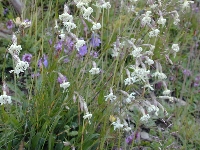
x,y
154,33
69,26
15,49
161,21
153,6
87,12
175,47
65,85
94,71
186,4
147,85
87,116
166,92
20,67
145,118
96,26
149,61
153,108
146,19
5,99
79,44
110,97
141,74
159,75
117,124
136,52
65,17
130,97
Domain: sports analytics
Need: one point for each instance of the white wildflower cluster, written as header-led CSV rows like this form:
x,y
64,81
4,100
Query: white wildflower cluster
x,y
130,97
67,19
175,49
110,96
149,61
118,125
94,70
145,118
83,107
87,11
186,4
136,52
79,43
64,85
146,18
161,21
102,4
5,99
117,46
153,108
154,33
14,50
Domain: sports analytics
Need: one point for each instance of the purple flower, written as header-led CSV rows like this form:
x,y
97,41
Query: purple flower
x,y
58,46
43,61
129,139
187,72
69,43
196,84
66,60
61,78
5,11
94,54
9,24
95,40
82,50
50,41
27,58
35,75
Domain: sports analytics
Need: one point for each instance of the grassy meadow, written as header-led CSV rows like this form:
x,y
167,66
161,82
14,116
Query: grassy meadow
x,y
99,75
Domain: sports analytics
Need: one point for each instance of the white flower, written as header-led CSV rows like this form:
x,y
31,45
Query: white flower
x,y
149,61
186,4
147,85
136,52
96,26
130,97
110,97
146,19
153,6
95,71
4,99
106,5
65,85
160,76
15,49
141,74
87,12
69,26
130,80
65,17
161,21
20,67
145,118
79,44
115,52
166,92
87,116
175,47
154,33
117,124
153,108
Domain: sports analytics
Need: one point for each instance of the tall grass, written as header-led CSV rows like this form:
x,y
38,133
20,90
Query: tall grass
x,y
105,109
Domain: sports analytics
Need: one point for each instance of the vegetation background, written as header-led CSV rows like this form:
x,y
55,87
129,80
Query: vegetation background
x,y
41,116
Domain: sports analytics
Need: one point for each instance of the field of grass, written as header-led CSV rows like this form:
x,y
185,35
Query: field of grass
x,y
99,75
